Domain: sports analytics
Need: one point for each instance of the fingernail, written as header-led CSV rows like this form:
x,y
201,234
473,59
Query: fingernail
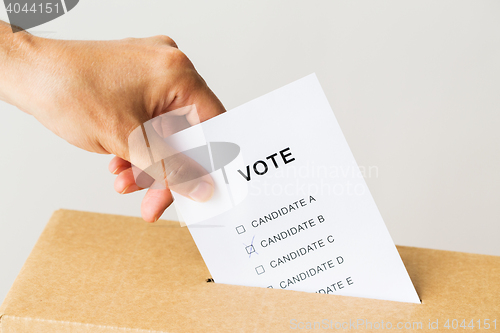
x,y
202,192
114,172
125,190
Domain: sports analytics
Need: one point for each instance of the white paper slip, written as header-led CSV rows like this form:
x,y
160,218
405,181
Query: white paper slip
x,y
291,208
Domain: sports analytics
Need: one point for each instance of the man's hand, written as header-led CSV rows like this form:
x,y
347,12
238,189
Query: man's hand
x,y
94,94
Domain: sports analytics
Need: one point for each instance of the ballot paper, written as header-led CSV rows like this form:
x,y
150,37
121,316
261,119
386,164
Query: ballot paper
x,y
291,208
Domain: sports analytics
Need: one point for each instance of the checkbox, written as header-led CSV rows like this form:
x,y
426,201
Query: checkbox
x,y
260,270
250,249
240,229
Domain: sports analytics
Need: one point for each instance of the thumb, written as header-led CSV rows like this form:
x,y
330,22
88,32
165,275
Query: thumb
x,y
188,175
206,104
185,175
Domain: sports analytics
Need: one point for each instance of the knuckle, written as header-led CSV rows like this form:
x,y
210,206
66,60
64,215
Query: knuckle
x,y
163,39
178,57
174,58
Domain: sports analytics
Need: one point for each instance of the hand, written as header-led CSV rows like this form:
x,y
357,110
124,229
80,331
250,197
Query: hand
x,y
94,94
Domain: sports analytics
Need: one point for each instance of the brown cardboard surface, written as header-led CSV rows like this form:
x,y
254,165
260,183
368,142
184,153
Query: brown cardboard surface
x,y
102,273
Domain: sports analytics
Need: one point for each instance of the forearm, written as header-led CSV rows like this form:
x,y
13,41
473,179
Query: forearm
x,y
16,56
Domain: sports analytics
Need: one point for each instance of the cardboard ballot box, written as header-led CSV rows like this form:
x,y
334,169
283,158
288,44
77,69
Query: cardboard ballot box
x,y
104,273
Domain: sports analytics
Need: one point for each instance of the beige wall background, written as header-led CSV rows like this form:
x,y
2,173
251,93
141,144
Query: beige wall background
x,y
415,86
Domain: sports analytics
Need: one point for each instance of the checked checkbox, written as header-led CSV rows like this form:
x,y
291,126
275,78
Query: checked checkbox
x,y
250,249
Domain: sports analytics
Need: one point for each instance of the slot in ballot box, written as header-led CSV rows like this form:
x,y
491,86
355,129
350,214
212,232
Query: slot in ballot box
x,y
103,273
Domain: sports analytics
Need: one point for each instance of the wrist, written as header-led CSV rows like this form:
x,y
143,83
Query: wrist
x,y
17,56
